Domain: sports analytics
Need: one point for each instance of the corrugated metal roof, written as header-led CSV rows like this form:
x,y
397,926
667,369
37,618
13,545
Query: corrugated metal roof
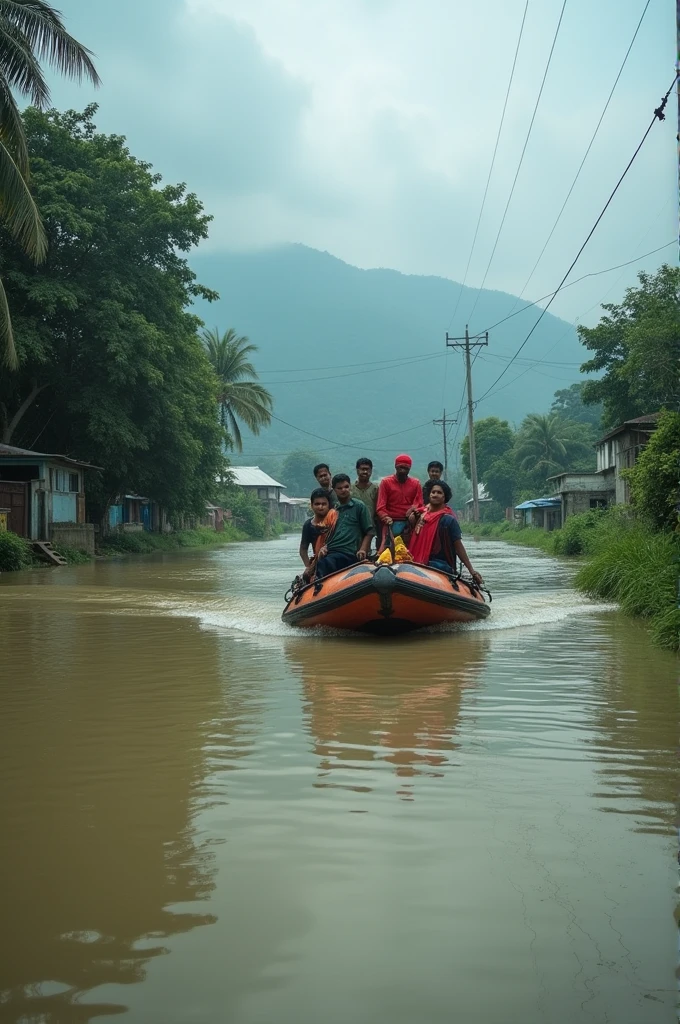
x,y
25,453
540,503
639,421
252,476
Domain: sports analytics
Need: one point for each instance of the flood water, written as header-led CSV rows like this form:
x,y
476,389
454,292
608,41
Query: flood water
x,y
207,817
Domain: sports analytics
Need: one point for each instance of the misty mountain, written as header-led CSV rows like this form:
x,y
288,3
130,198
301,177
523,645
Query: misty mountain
x,y
308,311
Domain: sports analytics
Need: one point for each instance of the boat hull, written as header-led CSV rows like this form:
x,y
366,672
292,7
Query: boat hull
x,y
385,600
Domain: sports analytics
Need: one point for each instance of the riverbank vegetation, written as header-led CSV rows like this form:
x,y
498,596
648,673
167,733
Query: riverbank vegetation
x,y
631,552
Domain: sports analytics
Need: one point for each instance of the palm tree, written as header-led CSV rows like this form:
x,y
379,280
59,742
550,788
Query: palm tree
x,y
30,31
240,396
546,444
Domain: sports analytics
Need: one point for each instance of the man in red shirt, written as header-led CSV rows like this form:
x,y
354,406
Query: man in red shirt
x,y
397,494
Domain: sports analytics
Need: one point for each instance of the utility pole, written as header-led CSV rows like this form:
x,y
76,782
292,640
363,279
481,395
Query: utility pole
x,y
467,343
444,420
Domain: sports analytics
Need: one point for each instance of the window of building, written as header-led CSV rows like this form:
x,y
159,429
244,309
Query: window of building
x,y
73,484
598,502
262,492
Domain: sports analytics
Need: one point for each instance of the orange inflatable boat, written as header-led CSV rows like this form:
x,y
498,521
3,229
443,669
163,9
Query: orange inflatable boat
x,y
385,599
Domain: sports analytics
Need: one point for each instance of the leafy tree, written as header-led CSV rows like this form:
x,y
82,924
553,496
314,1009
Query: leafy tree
x,y
654,484
296,472
569,404
546,444
240,396
637,345
247,510
31,31
111,368
493,437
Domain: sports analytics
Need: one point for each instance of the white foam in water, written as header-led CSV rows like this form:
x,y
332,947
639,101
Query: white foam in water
x,y
532,590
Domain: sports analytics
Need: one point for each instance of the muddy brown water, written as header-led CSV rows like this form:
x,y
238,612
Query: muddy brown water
x,y
207,817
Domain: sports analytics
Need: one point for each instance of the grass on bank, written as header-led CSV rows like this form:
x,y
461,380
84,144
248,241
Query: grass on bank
x,y
17,553
627,562
145,543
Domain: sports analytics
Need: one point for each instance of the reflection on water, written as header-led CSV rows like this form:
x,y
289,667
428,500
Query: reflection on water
x,y
207,817
400,705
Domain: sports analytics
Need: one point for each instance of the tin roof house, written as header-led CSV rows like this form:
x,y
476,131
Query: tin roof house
x,y
44,497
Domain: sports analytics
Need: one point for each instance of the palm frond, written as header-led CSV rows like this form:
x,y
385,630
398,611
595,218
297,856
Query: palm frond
x,y
44,31
19,66
233,428
12,128
8,352
18,210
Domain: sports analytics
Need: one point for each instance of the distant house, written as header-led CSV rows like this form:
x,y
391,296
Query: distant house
x,y
42,493
257,482
293,510
484,499
616,451
133,513
544,513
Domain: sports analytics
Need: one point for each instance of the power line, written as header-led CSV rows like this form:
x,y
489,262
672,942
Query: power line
x,y
493,161
354,373
585,155
519,165
594,273
345,366
658,115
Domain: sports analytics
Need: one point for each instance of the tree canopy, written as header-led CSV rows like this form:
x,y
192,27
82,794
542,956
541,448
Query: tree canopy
x,y
29,33
493,437
637,345
111,367
569,404
296,472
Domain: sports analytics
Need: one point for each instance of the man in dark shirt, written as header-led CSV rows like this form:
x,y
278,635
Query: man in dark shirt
x,y
351,537
323,478
434,474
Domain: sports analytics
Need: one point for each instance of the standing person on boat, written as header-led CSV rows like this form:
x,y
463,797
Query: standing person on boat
x,y
397,495
364,489
350,538
435,534
317,531
323,478
435,472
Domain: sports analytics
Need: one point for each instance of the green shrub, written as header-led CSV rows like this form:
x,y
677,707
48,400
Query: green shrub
x,y
73,556
15,552
247,510
653,480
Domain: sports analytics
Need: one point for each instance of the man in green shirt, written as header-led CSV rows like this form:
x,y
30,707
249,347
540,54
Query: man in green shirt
x,y
351,537
365,490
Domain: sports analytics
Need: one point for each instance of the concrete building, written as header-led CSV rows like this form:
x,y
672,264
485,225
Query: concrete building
x,y
44,496
616,451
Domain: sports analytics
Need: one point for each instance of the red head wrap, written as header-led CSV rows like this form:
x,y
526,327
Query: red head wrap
x,y
403,460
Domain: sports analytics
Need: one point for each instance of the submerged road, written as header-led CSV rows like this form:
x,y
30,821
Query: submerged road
x,y
207,817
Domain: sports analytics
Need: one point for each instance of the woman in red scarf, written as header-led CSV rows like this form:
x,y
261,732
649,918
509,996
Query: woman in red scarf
x,y
436,538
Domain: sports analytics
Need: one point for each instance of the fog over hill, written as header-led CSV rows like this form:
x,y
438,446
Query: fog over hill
x,y
308,311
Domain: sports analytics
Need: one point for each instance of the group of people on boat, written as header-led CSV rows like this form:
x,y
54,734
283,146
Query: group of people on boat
x,y
346,517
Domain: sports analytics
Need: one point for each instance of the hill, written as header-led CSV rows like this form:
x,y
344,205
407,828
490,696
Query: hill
x,y
308,311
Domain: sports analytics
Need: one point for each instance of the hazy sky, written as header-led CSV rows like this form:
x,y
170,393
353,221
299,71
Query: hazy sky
x,y
366,127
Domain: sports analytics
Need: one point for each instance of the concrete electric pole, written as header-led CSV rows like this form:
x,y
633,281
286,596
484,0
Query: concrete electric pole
x,y
444,421
467,343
